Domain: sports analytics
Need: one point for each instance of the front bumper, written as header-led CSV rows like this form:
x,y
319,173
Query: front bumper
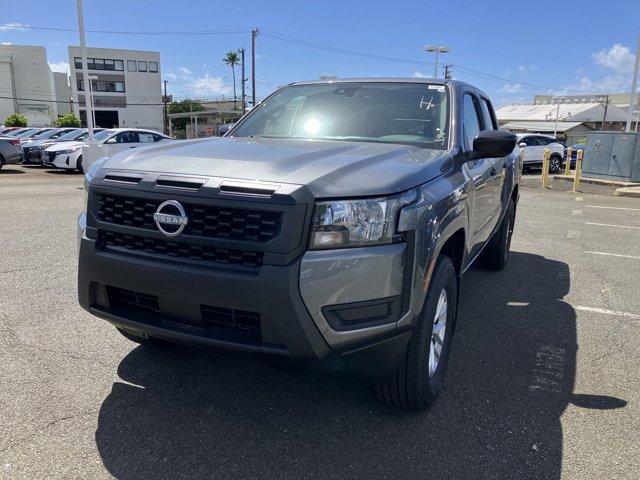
x,y
289,300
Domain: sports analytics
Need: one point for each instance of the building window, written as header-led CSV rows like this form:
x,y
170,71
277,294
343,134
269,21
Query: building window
x,y
119,65
153,67
78,62
132,66
102,86
142,66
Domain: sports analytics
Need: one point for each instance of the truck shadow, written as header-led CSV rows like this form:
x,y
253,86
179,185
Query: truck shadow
x,y
186,413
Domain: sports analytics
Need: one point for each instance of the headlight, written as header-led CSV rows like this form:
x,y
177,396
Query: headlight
x,y
357,223
92,172
69,150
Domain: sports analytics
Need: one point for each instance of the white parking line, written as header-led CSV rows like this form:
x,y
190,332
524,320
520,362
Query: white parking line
x,y
607,312
614,208
610,225
613,255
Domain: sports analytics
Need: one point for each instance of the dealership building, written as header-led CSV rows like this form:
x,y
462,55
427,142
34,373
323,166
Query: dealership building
x,y
28,86
126,87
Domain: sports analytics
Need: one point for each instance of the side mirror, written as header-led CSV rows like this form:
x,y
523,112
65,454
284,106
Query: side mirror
x,y
522,144
494,144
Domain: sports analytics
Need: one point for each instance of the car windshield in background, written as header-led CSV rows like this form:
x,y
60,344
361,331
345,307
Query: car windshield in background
x,y
385,112
72,135
44,134
103,134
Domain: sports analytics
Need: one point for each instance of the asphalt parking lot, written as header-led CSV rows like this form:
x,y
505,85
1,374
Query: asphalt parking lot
x,y
543,381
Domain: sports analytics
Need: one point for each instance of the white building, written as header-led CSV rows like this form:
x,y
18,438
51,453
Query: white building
x,y
27,84
63,92
126,87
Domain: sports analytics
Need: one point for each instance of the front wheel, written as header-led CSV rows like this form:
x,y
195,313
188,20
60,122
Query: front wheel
x,y
554,164
420,378
79,164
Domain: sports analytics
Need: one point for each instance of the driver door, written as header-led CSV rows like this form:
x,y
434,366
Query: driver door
x,y
120,141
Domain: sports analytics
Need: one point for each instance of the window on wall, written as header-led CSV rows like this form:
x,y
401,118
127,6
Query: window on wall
x,y
78,62
132,66
153,67
102,86
119,65
142,66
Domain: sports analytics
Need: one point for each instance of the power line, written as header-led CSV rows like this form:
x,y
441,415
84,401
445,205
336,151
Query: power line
x,y
8,26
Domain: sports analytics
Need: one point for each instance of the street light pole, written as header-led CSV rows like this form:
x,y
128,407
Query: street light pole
x,y
437,49
88,101
93,106
254,34
634,86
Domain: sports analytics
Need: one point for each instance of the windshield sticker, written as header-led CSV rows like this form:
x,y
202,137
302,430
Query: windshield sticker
x,y
426,105
439,88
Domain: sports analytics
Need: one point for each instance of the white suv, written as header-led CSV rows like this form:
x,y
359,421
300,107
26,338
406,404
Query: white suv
x,y
534,145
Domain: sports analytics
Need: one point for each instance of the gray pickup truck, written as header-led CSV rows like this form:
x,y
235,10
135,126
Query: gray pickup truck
x,y
331,224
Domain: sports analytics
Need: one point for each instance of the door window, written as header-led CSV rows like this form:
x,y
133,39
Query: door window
x,y
470,120
530,141
487,115
124,137
145,137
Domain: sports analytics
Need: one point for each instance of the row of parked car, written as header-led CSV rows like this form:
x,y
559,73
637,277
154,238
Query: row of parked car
x,y
63,147
534,146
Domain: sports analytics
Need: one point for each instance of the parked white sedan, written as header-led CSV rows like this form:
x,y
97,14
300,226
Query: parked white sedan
x,y
69,155
534,145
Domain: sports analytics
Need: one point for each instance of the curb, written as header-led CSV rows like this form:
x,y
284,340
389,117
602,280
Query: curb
x,y
598,181
628,192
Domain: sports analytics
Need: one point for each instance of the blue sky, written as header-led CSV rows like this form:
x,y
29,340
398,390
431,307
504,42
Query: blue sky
x,y
572,45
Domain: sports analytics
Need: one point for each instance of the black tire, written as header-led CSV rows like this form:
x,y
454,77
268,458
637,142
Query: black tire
x,y
143,339
79,164
496,254
412,388
555,163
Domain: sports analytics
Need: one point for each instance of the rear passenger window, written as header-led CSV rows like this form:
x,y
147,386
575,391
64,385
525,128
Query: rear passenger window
x,y
487,115
470,121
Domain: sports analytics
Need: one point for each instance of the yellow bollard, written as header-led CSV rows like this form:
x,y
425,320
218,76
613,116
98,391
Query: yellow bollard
x,y
567,162
545,168
576,179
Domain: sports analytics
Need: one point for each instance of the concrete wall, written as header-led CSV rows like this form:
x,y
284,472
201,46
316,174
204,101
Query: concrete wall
x,y
63,92
140,106
32,78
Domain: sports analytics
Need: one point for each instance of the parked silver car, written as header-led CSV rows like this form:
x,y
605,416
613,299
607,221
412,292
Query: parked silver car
x,y
10,151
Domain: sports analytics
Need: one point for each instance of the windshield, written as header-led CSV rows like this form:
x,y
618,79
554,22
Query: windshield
x,y
72,135
103,134
27,133
406,113
44,134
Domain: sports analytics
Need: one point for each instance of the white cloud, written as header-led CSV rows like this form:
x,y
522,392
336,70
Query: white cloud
x,y
617,58
418,74
14,26
526,68
202,86
6,43
60,66
511,88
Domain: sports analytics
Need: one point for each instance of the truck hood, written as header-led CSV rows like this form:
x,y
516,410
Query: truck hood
x,y
327,168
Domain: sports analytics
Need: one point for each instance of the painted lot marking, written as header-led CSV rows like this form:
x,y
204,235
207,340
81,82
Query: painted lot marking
x,y
614,208
613,255
604,311
610,225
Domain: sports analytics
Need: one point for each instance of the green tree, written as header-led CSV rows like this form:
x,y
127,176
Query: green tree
x,y
184,106
68,120
232,60
15,120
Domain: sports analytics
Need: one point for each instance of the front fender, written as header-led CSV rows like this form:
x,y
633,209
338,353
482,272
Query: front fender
x,y
439,212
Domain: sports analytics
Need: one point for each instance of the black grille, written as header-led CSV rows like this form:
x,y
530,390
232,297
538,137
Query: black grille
x,y
179,250
229,318
128,300
51,156
204,220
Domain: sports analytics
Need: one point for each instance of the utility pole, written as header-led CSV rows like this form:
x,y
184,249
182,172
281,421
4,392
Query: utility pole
x,y
164,101
447,72
254,34
604,116
634,86
242,80
85,73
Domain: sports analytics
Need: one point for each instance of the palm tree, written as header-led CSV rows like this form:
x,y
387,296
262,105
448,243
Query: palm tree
x,y
232,60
